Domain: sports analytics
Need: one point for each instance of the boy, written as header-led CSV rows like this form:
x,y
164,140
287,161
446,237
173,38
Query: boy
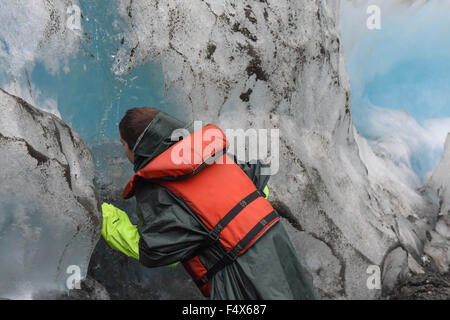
x,y
211,216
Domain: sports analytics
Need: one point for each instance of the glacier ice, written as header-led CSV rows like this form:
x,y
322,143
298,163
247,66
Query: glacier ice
x,y
35,32
43,31
66,73
438,246
49,211
348,203
400,79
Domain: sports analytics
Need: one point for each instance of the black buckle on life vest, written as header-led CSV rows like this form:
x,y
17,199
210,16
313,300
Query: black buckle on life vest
x,y
232,255
214,234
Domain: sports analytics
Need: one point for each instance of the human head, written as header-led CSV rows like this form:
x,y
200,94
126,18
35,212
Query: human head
x,y
132,125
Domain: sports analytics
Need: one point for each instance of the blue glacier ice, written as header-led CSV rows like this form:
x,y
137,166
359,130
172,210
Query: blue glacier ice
x,y
400,78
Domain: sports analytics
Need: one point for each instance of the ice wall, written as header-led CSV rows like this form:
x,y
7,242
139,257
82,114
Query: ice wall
x,y
400,78
67,71
35,32
239,64
438,247
49,214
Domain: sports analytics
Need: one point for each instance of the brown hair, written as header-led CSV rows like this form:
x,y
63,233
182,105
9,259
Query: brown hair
x,y
135,121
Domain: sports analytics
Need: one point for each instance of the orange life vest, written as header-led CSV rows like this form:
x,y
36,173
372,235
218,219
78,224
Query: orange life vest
x,y
219,192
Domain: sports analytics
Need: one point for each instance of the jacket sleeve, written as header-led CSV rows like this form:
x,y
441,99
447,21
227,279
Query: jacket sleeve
x,y
169,231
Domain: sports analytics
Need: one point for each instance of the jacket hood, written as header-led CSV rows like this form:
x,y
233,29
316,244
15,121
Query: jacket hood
x,y
155,139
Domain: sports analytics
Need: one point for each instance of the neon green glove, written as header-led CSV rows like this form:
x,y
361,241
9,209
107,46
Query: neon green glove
x,y
266,191
119,232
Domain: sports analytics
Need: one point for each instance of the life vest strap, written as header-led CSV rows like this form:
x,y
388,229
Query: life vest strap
x,y
233,253
214,234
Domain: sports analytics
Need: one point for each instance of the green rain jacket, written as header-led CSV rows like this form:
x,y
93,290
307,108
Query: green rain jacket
x,y
169,231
